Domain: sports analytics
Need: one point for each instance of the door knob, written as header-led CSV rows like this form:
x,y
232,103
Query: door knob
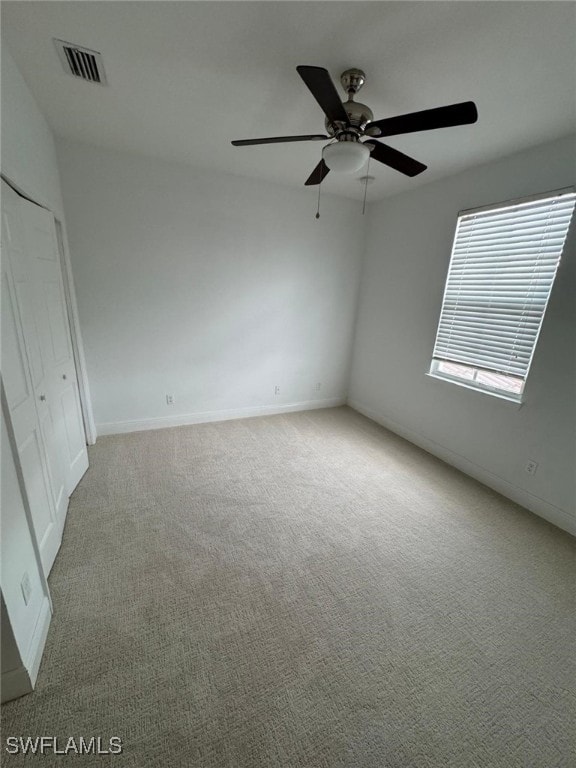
x,y
64,376
42,397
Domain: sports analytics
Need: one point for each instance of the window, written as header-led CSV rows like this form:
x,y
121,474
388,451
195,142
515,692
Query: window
x,y
503,264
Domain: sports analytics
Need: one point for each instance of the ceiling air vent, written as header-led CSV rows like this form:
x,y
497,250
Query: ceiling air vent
x,y
81,62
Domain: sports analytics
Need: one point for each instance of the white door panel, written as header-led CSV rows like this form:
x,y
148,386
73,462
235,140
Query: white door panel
x,y
33,317
21,398
36,487
56,345
75,437
58,322
54,459
26,301
14,374
38,368
39,232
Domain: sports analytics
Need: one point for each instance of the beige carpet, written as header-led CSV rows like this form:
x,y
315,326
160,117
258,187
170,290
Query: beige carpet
x,y
303,591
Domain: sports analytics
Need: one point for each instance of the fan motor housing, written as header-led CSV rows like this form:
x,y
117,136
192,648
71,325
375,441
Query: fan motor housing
x,y
359,115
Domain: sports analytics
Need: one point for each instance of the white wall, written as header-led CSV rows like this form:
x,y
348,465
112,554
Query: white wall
x,y
28,153
210,287
408,250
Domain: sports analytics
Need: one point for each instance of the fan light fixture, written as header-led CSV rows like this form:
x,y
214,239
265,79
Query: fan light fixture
x,y
345,156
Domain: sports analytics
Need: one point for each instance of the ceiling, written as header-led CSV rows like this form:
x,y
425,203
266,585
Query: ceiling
x,y
185,78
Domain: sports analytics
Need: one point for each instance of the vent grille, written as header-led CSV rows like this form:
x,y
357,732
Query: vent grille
x,y
81,62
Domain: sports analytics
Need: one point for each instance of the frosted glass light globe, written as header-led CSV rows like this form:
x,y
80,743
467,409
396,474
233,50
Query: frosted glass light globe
x,y
345,156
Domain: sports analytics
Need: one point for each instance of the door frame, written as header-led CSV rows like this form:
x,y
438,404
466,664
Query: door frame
x,y
75,333
72,311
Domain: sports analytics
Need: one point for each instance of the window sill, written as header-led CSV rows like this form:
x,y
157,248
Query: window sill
x,y
516,400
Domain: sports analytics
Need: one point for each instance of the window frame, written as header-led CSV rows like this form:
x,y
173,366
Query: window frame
x,y
472,384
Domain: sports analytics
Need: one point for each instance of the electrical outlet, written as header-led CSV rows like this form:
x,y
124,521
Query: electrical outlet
x,y
276,390
531,467
318,386
26,588
169,399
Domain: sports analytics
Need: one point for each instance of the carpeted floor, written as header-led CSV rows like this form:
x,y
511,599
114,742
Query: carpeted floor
x,y
303,591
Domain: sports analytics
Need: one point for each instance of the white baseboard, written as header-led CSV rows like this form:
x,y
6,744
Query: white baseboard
x,y
15,683
161,422
38,641
530,501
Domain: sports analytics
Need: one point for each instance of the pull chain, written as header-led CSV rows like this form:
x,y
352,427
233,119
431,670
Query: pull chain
x,y
366,186
318,209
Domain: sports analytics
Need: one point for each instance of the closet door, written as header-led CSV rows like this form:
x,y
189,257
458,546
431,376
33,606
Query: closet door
x,y
24,382
55,343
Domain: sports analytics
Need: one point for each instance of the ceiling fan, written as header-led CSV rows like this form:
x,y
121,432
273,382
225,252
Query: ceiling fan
x,y
349,123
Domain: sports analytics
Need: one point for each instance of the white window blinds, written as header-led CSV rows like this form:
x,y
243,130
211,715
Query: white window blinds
x,y
503,264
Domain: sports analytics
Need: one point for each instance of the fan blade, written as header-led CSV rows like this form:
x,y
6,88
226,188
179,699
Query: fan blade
x,y
428,119
322,88
318,174
395,159
279,139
